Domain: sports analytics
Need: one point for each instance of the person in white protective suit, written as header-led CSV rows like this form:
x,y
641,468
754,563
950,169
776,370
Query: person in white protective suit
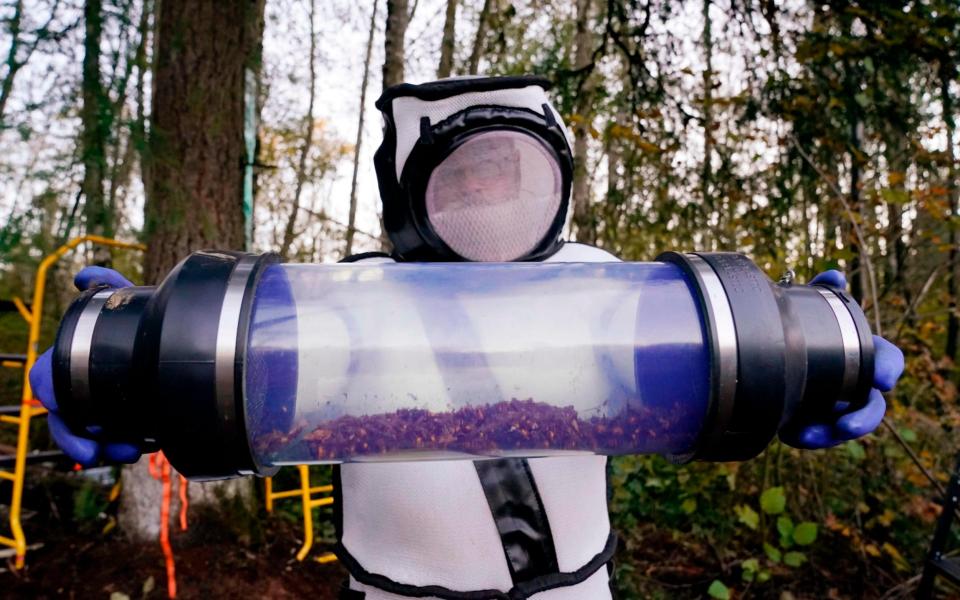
x,y
475,169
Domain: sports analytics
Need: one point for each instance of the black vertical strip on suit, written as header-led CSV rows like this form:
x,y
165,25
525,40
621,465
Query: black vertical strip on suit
x,y
519,516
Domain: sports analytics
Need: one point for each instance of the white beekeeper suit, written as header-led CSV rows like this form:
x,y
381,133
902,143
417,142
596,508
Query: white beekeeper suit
x,y
479,170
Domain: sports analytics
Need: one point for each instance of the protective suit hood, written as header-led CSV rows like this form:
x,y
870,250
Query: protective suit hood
x,y
473,169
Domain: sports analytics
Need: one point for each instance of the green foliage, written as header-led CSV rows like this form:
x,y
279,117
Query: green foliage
x,y
794,559
752,570
718,590
649,488
908,435
89,502
805,533
749,568
785,527
855,450
773,501
773,553
12,232
747,516
291,510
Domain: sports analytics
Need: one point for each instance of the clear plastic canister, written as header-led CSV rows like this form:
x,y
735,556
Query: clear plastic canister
x,y
394,361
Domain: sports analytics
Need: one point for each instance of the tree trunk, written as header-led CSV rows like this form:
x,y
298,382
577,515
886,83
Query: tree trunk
x,y
145,63
706,170
897,158
20,50
352,217
583,221
480,38
850,238
196,137
393,63
449,41
96,121
948,73
123,155
614,236
289,232
393,42
13,65
196,174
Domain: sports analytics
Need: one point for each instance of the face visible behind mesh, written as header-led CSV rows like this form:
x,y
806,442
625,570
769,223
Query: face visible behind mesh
x,y
494,198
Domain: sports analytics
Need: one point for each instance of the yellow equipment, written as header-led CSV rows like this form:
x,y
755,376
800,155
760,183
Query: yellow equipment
x,y
305,492
29,406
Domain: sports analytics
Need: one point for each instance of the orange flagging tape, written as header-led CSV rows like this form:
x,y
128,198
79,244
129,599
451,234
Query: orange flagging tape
x,y
160,469
152,465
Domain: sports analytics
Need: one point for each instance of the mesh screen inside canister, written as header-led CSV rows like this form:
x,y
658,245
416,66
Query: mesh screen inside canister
x,y
495,197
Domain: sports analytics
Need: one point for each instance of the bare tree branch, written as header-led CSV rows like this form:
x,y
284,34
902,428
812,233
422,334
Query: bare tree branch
x,y
288,231
861,239
352,218
479,39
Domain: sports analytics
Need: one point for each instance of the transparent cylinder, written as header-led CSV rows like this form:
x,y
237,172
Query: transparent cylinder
x,y
433,361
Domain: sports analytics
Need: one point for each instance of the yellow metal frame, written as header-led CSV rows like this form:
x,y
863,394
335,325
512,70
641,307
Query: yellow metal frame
x,y
305,492
29,407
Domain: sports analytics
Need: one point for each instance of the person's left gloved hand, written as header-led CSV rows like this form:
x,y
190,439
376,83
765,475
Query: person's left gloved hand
x,y
850,424
79,445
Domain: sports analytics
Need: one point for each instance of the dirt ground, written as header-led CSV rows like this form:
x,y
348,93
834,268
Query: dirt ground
x,y
253,556
77,565
91,566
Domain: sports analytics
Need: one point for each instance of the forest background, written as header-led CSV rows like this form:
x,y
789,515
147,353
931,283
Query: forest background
x,y
809,135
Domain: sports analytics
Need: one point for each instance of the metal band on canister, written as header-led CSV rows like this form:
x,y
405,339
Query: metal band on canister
x,y
849,337
81,344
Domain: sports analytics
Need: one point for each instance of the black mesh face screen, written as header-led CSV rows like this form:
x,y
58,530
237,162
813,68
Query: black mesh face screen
x,y
495,197
475,169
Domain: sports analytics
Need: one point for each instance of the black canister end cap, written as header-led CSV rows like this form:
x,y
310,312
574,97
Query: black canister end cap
x,y
749,364
797,351
72,406
198,333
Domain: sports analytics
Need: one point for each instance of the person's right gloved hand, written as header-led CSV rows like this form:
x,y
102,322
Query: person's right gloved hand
x,y
80,445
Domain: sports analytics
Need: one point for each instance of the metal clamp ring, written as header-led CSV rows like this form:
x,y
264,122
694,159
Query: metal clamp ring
x,y
724,334
227,329
82,342
849,337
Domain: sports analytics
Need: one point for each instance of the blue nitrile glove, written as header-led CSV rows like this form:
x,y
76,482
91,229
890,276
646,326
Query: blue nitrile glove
x,y
846,424
78,445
